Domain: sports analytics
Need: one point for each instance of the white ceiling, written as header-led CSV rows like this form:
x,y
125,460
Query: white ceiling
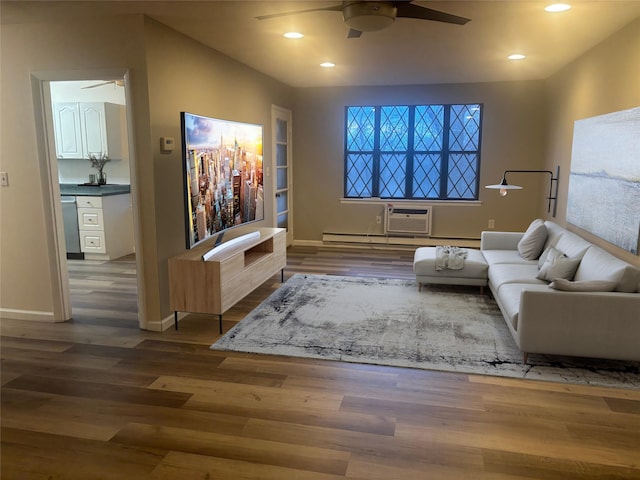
x,y
408,52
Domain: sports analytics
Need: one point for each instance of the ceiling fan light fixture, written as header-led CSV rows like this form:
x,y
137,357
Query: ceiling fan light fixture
x,y
327,64
516,56
293,35
369,16
557,7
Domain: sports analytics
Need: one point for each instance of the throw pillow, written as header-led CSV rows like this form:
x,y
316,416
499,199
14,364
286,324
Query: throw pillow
x,y
583,286
532,242
558,265
543,256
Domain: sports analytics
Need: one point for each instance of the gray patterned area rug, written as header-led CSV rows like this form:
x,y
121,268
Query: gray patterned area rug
x,y
390,322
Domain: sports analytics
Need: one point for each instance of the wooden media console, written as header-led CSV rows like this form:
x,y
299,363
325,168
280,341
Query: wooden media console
x,y
230,272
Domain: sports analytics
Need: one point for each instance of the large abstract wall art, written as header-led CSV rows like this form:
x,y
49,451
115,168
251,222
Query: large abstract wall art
x,y
604,183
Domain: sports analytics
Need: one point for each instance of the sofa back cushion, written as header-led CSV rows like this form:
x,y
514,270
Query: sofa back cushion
x,y
554,232
572,245
532,242
597,264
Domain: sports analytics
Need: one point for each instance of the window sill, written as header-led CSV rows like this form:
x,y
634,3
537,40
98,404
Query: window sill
x,y
413,203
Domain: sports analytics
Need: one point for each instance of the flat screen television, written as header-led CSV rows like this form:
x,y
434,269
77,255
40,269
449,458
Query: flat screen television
x,y
222,176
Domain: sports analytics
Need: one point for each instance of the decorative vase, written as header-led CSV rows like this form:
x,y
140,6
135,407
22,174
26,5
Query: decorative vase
x,y
102,178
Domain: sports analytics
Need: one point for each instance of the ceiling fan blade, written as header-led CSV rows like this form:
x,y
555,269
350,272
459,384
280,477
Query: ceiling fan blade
x,y
334,8
353,33
99,84
408,10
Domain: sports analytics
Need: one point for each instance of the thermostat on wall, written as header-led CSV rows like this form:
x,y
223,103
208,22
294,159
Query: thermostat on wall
x,y
167,144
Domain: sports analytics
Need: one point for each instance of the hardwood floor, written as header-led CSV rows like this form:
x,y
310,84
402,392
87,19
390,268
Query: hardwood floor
x,y
98,398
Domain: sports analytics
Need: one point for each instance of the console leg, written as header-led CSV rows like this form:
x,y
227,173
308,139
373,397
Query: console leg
x,y
220,319
282,275
525,357
175,319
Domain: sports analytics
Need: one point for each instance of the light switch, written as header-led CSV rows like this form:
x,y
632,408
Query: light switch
x,y
167,144
4,179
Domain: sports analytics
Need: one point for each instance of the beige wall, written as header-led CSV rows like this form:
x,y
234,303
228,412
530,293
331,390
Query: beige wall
x,y
49,49
169,73
606,79
512,138
186,76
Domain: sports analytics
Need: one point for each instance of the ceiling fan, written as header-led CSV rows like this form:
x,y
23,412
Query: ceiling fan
x,y
369,16
117,83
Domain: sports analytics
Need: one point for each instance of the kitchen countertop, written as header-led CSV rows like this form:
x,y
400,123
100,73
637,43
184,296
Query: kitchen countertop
x,y
94,190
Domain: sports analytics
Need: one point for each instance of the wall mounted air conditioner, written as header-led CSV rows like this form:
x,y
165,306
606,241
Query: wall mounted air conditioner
x,y
408,220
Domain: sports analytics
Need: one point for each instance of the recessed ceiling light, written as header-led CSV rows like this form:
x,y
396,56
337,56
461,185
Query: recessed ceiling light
x,y
293,35
557,7
327,65
516,56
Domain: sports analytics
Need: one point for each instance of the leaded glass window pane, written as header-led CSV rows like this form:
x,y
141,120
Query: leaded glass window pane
x,y
427,128
464,129
360,129
359,175
394,129
392,175
426,175
463,172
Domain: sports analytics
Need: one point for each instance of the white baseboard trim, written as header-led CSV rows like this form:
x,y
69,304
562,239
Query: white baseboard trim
x,y
31,315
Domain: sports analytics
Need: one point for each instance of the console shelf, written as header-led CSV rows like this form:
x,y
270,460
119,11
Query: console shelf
x,y
230,272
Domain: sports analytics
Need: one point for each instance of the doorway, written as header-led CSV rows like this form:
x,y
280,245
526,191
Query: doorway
x,y
281,138
103,272
90,131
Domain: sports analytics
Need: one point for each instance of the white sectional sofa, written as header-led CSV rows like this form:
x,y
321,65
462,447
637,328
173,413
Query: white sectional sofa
x,y
593,312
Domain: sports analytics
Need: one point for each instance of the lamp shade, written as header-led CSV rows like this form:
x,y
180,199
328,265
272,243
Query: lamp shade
x,y
504,186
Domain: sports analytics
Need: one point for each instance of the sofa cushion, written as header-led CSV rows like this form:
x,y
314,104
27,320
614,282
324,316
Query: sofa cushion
x,y
532,243
502,274
543,256
583,285
558,265
494,257
600,265
509,298
554,232
572,245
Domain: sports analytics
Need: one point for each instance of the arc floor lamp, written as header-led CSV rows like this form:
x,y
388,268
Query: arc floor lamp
x,y
504,186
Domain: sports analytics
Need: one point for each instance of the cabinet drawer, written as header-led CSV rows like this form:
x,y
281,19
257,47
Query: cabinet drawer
x,y
92,242
90,219
89,202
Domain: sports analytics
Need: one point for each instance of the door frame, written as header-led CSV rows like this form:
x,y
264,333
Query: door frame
x,y
286,115
47,159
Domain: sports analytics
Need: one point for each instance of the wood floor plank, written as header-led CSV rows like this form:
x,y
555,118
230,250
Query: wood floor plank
x,y
206,391
186,466
236,448
75,388
42,455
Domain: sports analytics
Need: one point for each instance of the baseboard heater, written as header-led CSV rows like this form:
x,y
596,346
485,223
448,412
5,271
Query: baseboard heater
x,y
408,220
355,239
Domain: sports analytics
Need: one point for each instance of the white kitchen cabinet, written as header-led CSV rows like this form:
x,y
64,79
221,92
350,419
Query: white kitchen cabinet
x,y
86,128
66,119
106,226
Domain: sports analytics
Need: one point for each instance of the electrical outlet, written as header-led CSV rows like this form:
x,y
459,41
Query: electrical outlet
x,y
492,223
4,179
378,219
